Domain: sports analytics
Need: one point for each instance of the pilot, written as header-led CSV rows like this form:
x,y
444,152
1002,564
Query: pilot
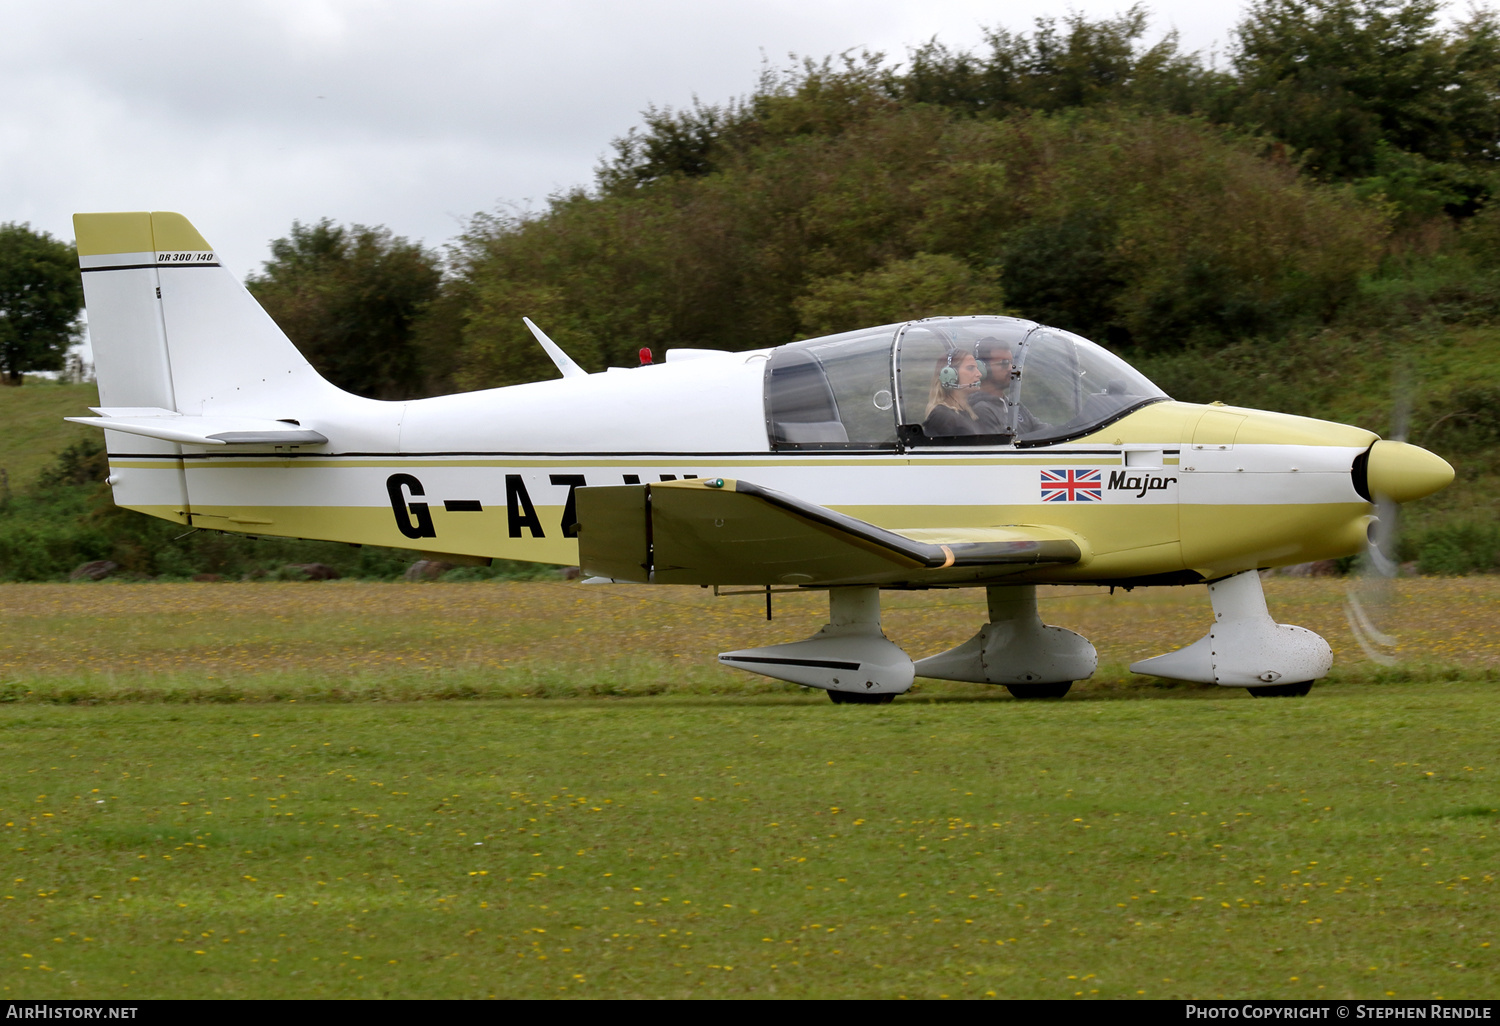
x,y
992,403
948,411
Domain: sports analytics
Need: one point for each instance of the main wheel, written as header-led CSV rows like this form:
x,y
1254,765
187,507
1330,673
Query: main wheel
x,y
1039,690
857,698
1283,690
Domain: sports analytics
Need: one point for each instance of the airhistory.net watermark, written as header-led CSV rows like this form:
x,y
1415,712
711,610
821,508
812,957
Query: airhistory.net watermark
x,y
41,1010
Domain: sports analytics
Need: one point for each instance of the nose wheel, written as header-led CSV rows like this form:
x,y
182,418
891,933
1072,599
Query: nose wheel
x,y
1282,690
1245,648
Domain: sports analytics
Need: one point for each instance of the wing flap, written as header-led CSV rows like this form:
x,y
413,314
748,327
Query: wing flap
x,y
736,532
975,546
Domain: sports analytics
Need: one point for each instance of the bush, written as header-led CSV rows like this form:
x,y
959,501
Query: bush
x,y
1461,548
83,462
42,551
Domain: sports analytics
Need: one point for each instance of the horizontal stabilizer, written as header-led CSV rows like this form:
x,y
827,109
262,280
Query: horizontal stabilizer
x,y
733,532
188,430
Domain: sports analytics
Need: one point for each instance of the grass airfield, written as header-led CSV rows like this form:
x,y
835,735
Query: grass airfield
x,y
354,641
313,822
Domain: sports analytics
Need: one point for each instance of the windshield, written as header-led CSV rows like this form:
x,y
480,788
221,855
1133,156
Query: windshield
x,y
1001,380
1068,386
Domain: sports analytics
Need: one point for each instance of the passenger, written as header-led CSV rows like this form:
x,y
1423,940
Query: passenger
x,y
948,412
992,403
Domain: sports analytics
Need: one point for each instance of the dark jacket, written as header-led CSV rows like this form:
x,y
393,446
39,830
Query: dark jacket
x,y
946,422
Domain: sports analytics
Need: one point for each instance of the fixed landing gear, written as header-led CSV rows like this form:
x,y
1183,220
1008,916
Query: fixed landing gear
x,y
1282,690
1016,649
1057,690
850,657
855,698
856,664
1245,648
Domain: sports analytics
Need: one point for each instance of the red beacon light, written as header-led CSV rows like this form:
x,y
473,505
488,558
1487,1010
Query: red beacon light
x,y
645,357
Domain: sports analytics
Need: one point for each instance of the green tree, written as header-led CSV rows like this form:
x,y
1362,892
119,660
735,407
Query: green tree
x,y
40,296
1337,78
352,299
1080,63
1146,231
1059,66
674,142
927,285
809,98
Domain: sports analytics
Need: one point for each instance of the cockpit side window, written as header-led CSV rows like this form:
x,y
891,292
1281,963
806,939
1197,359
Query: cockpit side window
x,y
832,393
958,381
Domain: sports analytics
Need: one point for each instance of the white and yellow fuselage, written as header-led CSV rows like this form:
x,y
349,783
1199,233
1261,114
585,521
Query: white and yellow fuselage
x,y
1185,489
689,472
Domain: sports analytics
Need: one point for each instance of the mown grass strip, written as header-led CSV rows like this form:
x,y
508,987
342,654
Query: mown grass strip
x,y
356,641
1337,846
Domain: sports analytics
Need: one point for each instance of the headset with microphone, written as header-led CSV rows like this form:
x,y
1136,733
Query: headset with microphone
x,y
948,376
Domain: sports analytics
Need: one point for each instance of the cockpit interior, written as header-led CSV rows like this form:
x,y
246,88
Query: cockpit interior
x,y
947,382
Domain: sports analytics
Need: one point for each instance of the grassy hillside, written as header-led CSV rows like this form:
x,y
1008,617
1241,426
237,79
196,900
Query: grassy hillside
x,y
32,429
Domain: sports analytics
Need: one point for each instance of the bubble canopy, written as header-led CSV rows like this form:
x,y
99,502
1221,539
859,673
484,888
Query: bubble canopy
x,y
944,382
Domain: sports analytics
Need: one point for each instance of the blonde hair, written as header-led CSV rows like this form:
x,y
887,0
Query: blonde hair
x,y
953,398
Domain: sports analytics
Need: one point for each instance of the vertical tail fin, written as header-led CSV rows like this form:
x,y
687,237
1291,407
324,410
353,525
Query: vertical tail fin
x,y
173,329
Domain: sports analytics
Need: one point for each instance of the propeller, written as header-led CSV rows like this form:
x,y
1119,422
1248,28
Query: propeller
x,y
1370,601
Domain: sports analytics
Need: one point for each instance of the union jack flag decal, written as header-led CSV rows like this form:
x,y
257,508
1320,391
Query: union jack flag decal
x,y
1072,486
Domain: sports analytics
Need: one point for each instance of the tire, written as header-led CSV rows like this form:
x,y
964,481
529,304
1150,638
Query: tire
x,y
1039,690
1282,690
855,698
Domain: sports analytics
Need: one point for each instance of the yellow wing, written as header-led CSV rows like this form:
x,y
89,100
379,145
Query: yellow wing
x,y
723,531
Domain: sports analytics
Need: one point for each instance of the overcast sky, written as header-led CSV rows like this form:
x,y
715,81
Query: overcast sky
x,y
247,115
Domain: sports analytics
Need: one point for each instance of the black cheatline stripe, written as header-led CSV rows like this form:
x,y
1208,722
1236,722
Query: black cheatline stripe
x,y
462,506
138,267
829,664
565,457
578,457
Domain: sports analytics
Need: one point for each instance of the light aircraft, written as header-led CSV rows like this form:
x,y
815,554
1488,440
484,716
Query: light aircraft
x,y
824,464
